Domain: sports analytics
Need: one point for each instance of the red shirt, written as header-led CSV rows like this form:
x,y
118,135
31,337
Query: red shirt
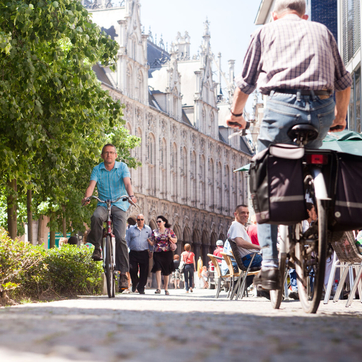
x,y
217,252
253,234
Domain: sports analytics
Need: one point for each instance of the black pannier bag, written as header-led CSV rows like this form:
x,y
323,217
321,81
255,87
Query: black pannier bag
x,y
276,185
347,212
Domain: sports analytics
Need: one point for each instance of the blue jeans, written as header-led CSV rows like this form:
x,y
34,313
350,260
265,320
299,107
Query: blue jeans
x,y
256,262
283,111
189,275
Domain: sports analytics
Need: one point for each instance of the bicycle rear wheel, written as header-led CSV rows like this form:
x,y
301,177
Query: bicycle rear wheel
x,y
276,296
310,255
108,268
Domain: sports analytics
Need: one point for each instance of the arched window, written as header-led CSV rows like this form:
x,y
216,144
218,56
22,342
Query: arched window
x,y
184,175
140,86
212,125
203,123
174,190
163,168
193,179
151,164
202,182
211,182
227,189
219,186
129,81
234,190
138,155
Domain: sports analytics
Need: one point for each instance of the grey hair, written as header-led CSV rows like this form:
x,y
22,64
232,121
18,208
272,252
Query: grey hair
x,y
296,5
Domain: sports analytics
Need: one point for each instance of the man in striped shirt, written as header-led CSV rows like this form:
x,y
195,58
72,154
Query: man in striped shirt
x,y
113,180
297,64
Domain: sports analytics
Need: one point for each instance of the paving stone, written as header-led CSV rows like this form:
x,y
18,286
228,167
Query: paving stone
x,y
179,327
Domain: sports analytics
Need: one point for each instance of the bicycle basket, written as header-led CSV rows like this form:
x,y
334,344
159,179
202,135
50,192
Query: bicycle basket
x,y
276,185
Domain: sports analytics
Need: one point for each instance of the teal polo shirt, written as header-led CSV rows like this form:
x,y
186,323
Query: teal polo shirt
x,y
110,184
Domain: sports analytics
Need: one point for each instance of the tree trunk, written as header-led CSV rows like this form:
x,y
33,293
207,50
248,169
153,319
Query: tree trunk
x,y
12,209
64,223
40,225
52,233
29,195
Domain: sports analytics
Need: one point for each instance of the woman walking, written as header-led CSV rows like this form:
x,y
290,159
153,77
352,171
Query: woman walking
x,y
188,257
161,239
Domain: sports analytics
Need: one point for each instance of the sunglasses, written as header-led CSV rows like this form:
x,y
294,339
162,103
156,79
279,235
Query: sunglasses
x,y
140,219
158,221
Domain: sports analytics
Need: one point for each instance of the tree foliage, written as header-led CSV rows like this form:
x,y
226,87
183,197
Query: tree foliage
x,y
54,115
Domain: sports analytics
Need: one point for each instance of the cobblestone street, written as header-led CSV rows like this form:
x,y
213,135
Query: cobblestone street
x,y
179,327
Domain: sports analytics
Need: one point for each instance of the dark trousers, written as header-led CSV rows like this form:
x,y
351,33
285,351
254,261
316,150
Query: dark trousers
x,y
119,229
189,275
138,259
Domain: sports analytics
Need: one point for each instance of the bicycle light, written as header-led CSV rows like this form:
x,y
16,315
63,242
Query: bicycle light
x,y
317,159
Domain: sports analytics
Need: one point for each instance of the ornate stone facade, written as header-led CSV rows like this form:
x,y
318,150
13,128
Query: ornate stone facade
x,y
187,168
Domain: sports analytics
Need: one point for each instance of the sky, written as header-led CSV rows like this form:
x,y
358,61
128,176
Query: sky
x,y
231,24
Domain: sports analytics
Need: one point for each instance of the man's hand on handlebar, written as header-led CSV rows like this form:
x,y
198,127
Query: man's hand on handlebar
x,y
338,125
85,201
133,199
236,122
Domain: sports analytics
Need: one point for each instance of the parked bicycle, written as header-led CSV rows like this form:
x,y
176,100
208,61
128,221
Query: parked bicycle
x,y
108,244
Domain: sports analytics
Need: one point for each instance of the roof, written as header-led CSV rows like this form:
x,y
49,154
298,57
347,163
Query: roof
x,y
156,56
101,74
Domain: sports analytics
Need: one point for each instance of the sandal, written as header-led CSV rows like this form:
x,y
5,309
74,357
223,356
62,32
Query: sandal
x,y
166,292
158,291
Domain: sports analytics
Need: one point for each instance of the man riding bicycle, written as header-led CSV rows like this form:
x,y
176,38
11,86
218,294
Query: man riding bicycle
x,y
297,64
113,180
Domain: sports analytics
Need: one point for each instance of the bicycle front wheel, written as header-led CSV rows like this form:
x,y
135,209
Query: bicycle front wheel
x,y
108,267
310,255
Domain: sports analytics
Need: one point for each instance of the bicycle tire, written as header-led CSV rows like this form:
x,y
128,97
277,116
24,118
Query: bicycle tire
x,y
310,258
276,296
108,267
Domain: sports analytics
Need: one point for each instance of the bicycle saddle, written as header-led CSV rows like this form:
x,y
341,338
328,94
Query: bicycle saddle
x,y
303,133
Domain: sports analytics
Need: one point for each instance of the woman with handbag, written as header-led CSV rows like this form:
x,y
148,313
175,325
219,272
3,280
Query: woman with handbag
x,y
164,241
188,259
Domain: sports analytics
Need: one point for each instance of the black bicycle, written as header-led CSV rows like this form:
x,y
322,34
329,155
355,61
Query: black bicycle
x,y
108,244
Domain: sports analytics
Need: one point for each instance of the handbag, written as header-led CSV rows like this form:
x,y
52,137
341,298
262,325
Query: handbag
x,y
173,246
182,264
181,268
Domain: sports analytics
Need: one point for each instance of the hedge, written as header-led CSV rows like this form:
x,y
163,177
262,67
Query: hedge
x,y
29,271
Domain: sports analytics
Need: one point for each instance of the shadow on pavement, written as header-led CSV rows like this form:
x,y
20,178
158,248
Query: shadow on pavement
x,y
141,328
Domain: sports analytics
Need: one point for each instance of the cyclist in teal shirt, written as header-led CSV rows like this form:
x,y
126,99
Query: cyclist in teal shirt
x,y
112,179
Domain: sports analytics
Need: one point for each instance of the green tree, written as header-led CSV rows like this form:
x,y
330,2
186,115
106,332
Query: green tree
x,y
54,114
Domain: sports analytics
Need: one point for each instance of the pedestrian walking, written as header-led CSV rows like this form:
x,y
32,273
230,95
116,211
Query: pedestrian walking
x,y
140,253
161,240
188,257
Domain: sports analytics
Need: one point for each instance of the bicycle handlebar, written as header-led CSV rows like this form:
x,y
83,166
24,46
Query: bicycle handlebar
x,y
123,197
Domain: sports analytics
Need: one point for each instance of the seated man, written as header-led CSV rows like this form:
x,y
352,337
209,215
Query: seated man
x,y
218,250
246,248
238,233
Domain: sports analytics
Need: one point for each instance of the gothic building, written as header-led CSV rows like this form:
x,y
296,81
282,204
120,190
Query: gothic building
x,y
176,107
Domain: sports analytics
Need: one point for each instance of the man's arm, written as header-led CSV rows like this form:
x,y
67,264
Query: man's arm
x,y
342,101
128,186
89,191
245,244
239,101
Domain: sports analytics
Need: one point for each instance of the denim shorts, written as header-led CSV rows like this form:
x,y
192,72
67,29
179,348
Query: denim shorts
x,y
283,111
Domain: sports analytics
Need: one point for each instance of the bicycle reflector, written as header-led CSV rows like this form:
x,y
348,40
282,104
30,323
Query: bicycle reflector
x,y
317,159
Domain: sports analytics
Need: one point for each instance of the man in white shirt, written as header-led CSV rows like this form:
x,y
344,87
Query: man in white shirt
x,y
237,232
